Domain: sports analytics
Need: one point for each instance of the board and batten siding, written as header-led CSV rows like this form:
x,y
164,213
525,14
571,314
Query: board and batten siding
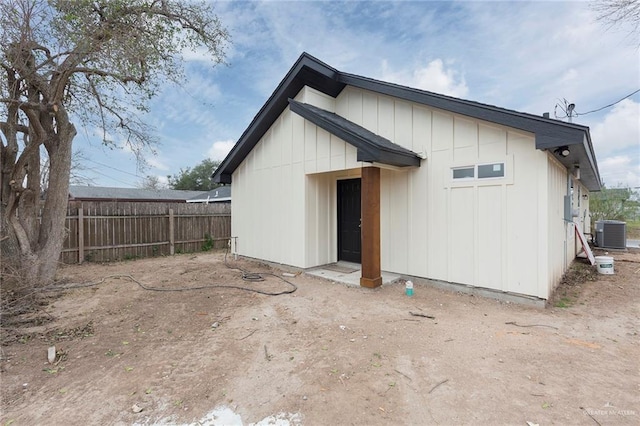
x,y
563,244
284,192
483,232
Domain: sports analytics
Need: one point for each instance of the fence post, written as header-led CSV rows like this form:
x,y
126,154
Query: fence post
x,y
171,234
80,234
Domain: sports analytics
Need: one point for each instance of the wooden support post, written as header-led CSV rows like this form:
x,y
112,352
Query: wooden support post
x,y
80,234
371,272
172,245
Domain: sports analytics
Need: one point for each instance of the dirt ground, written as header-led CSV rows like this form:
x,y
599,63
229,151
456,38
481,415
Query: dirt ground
x,y
326,354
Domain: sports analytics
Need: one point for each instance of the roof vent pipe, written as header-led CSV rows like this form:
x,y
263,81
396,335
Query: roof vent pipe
x,y
545,115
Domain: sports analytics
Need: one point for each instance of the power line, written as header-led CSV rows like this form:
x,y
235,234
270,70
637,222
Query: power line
x,y
112,178
610,105
113,168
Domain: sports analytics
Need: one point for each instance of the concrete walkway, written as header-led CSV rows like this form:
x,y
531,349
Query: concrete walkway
x,y
346,273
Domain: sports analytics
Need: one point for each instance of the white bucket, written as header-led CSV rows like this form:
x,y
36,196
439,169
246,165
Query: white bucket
x,y
604,264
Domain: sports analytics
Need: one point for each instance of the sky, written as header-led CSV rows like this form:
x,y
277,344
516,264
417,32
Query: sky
x,y
532,57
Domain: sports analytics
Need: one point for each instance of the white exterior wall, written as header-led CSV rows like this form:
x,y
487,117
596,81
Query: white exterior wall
x,y
490,233
581,204
284,206
563,244
481,232
558,229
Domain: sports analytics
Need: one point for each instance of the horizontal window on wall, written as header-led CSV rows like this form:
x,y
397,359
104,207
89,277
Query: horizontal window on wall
x,y
494,170
482,171
464,173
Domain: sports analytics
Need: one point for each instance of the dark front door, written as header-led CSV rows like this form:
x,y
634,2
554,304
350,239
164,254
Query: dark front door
x,y
349,220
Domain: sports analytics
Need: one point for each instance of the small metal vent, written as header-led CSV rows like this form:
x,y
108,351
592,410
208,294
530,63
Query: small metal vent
x,y
611,234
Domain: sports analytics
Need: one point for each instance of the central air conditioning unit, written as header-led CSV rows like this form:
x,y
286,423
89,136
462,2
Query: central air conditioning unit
x,y
611,234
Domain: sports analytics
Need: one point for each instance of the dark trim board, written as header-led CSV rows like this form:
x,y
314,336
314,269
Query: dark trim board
x,y
371,147
308,71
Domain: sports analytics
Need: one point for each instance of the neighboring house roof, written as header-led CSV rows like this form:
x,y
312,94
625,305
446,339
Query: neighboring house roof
x,y
101,193
371,147
309,71
220,194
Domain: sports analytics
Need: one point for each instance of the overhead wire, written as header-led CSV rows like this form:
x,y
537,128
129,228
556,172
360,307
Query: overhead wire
x,y
112,178
113,168
610,105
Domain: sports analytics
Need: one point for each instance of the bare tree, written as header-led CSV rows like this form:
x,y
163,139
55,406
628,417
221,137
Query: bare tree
x,y
619,12
76,176
94,62
152,182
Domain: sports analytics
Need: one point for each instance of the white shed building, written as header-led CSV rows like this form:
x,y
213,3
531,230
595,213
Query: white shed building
x,y
337,166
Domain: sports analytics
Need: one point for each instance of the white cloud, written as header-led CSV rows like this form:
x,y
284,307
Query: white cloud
x,y
200,54
570,76
620,170
525,56
190,104
220,149
163,180
616,140
620,129
434,77
157,163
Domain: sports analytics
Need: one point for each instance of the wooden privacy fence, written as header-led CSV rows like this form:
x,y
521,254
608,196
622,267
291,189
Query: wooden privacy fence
x,y
101,231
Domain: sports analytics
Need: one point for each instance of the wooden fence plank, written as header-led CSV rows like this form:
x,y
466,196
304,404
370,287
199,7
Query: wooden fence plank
x,y
80,235
172,241
104,231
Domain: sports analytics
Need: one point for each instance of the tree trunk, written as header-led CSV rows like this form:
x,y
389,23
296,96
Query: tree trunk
x,y
34,242
52,229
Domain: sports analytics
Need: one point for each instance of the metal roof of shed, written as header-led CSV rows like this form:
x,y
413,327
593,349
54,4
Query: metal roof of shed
x,y
94,193
219,194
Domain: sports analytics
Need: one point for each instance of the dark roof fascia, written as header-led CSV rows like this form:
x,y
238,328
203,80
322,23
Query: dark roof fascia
x,y
594,183
307,71
549,133
581,156
371,147
591,154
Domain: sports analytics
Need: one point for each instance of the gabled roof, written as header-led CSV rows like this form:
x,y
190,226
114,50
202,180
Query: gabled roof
x,y
96,193
549,134
222,193
371,147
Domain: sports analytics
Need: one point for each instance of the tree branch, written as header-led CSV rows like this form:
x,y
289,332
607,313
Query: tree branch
x,y
4,126
20,233
122,78
26,105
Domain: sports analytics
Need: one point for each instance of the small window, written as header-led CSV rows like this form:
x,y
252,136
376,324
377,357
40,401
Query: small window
x,y
464,173
490,170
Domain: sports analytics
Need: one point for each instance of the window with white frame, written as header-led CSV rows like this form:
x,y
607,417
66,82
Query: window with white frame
x,y
464,172
494,170
482,171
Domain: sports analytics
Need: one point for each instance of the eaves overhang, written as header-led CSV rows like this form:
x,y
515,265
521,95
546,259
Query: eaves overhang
x,y
549,134
307,71
580,156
